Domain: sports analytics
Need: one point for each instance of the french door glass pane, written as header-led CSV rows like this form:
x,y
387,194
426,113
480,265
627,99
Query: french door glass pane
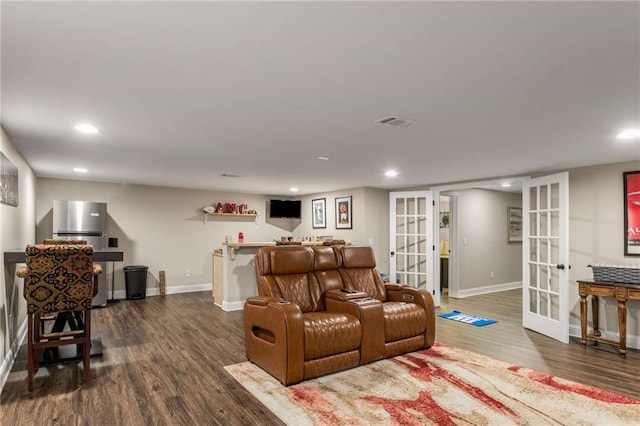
x,y
412,248
533,249
422,245
422,225
411,225
544,303
422,206
555,307
533,224
544,196
411,206
554,282
533,301
544,224
533,198
555,195
554,228
533,275
544,250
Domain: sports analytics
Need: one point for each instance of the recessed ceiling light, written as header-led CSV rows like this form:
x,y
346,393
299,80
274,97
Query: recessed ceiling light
x,y
294,189
629,134
506,185
80,170
86,128
391,173
323,158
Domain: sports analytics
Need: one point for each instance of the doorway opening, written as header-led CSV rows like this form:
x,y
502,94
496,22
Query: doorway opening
x,y
476,256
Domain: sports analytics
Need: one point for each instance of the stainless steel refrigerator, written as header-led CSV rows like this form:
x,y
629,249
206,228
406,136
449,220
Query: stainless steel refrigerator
x,y
84,220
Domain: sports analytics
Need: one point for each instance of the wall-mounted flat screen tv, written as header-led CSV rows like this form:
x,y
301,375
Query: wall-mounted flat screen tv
x,y
285,209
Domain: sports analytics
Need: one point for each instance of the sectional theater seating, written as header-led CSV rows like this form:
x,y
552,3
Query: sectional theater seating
x,y
324,309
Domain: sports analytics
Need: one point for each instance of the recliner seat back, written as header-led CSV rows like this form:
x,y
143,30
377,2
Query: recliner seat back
x,y
288,274
359,271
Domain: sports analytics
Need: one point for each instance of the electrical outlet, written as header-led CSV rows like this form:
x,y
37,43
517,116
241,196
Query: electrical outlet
x,y
187,273
493,274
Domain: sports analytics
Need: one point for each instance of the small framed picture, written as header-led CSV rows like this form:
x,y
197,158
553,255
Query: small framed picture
x,y
319,212
514,225
343,213
444,219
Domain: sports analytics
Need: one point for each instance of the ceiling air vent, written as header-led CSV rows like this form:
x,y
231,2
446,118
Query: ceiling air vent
x,y
394,121
228,175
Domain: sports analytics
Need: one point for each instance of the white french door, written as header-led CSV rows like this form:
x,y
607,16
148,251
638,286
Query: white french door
x,y
545,255
411,239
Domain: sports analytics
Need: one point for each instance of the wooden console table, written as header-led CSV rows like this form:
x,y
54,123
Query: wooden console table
x,y
622,292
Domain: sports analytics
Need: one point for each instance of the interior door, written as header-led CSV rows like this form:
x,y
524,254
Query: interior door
x,y
411,239
545,255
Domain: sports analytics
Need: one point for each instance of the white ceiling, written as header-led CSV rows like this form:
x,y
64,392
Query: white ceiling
x,y
184,92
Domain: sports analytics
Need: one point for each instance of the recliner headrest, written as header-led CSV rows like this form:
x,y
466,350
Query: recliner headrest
x,y
358,257
325,258
291,260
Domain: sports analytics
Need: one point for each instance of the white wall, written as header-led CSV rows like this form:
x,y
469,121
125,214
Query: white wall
x,y
596,235
18,230
370,220
163,227
160,227
481,219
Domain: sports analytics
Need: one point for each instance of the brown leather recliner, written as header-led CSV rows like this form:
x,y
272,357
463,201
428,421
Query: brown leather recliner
x,y
368,310
288,330
409,314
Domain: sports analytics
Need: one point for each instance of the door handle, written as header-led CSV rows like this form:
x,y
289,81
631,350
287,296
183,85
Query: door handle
x,y
561,266
392,253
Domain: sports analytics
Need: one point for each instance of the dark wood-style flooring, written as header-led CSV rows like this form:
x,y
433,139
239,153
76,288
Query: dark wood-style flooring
x,y
164,357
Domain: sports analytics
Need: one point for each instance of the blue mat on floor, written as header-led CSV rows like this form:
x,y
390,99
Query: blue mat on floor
x,y
467,319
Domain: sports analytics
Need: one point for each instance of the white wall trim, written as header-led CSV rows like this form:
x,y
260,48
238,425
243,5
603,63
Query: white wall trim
x,y
7,362
488,289
122,294
232,306
181,289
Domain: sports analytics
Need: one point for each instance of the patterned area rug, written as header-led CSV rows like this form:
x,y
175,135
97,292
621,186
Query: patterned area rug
x,y
443,386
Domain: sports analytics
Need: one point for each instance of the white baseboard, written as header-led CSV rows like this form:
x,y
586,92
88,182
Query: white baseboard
x,y
8,360
487,289
122,294
232,306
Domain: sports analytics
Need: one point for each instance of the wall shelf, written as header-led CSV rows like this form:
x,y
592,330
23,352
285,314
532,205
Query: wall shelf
x,y
232,215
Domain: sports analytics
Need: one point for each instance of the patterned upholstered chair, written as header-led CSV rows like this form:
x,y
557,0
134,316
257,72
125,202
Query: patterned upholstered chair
x,y
58,278
74,319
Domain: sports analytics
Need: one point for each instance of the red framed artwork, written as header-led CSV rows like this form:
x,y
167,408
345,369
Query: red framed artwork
x,y
631,213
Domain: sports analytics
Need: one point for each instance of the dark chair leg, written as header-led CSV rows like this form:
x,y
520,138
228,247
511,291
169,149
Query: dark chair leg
x,y
30,352
87,346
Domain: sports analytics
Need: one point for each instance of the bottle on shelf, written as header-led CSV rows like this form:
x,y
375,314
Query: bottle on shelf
x,y
240,237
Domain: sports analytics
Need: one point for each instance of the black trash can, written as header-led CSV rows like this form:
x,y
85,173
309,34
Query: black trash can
x,y
135,279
